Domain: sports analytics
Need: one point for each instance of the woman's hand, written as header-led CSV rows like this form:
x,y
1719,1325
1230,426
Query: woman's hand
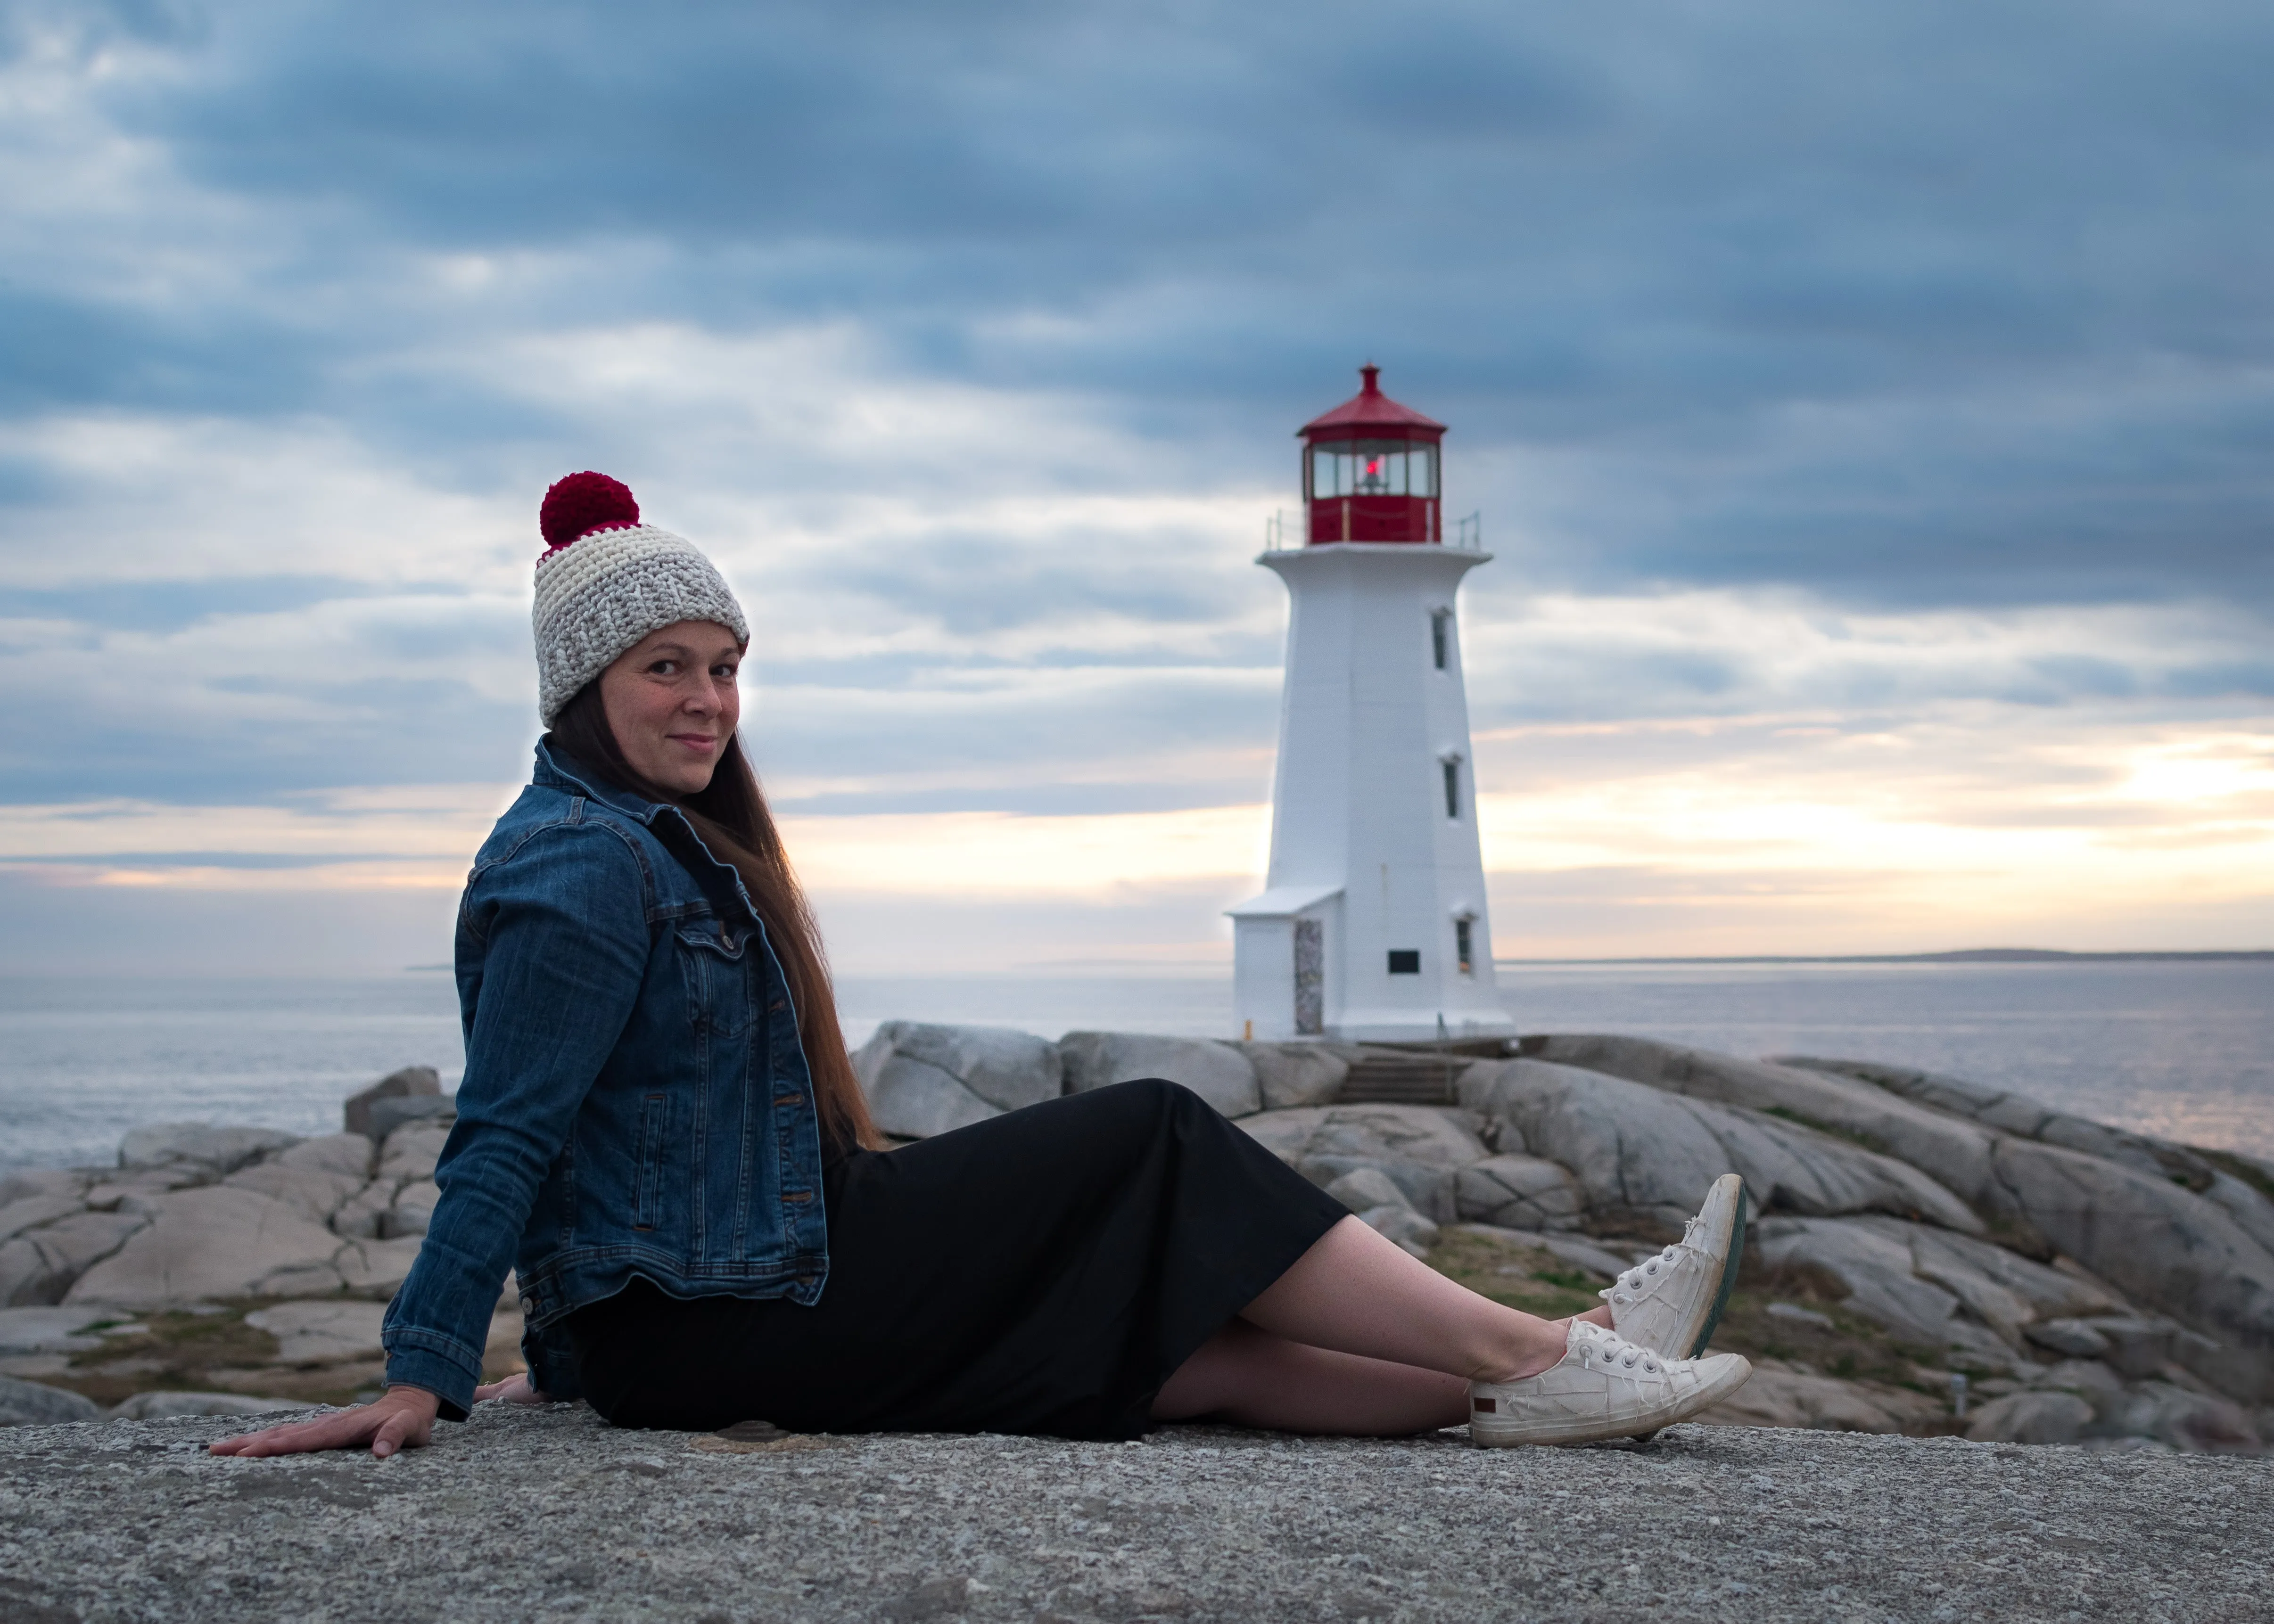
x,y
514,1389
399,1418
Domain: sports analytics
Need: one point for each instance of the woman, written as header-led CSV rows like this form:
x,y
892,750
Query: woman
x,y
659,1130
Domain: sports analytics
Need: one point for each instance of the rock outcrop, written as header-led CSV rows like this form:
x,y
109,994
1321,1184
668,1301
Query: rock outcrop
x,y
923,1079
409,1083
1650,1154
1219,1072
1417,1148
2095,1286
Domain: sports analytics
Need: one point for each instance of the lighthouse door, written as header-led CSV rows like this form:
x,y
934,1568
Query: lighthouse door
x,y
1310,977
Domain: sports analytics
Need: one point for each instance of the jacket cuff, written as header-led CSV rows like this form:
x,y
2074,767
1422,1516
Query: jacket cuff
x,y
552,1360
412,1363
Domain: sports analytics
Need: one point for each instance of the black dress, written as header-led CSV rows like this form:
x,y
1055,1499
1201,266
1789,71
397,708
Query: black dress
x,y
1042,1272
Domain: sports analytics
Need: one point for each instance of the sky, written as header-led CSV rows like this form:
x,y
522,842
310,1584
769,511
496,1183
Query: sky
x,y
1871,412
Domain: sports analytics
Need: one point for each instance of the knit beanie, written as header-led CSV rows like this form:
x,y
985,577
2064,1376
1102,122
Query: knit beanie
x,y
606,580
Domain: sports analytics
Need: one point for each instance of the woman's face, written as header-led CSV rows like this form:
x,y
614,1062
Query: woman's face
x,y
673,704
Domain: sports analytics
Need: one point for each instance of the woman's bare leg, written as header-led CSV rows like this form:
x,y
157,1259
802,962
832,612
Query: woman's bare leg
x,y
1252,1378
1362,1337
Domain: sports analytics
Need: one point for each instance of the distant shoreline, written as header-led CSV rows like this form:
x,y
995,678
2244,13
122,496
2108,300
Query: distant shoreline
x,y
1970,955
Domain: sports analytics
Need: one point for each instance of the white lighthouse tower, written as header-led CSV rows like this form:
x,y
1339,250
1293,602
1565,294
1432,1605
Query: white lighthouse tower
x,y
1373,924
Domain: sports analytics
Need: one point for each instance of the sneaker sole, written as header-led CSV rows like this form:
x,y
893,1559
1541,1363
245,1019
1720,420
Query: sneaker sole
x,y
1488,1433
1729,1278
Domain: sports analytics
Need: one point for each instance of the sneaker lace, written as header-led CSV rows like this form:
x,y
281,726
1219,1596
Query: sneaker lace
x,y
1609,1350
1649,1267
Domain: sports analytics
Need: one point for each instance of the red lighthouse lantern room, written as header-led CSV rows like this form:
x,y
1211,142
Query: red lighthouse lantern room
x,y
1370,469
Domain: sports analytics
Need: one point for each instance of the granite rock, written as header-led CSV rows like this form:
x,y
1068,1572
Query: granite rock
x,y
2031,1418
1419,1148
321,1332
409,1083
2165,1247
2089,1376
435,1111
1872,1267
1219,1072
412,1210
2074,1339
216,1241
40,1266
315,1192
2195,1423
29,1403
2252,1212
1401,1224
912,1099
1777,1397
1519,1192
200,1149
1000,1067
1647,1156
47,1330
1956,1153
2021,1117
1297,1074
360,1216
548,1512
67,1181
376,1269
1363,1189
169,1406
410,1153
32,1211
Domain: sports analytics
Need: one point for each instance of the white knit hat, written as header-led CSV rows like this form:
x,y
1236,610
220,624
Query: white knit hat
x,y
607,581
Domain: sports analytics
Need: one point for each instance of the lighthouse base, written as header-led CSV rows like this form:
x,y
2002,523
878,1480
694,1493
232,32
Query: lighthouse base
x,y
1407,1027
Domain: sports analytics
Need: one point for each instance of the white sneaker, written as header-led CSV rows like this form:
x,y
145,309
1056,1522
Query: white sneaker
x,y
1604,1387
1671,1303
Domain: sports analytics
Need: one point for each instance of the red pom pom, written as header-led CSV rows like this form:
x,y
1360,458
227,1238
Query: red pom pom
x,y
583,503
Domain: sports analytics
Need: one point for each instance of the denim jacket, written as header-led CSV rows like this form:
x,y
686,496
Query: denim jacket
x,y
634,1098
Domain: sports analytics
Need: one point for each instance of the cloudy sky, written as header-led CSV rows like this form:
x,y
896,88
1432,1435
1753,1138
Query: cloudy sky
x,y
1871,411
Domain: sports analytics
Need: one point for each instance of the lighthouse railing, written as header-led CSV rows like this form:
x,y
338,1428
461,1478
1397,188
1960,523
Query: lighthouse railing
x,y
1468,533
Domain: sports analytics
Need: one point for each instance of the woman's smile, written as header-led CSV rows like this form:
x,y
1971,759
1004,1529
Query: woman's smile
x,y
673,703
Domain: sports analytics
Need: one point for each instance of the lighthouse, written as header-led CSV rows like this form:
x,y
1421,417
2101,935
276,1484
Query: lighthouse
x,y
1373,924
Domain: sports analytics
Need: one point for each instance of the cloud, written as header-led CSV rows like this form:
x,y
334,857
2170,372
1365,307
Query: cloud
x,y
1892,377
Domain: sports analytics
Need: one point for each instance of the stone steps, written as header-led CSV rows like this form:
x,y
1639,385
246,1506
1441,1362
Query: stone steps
x,y
1402,1079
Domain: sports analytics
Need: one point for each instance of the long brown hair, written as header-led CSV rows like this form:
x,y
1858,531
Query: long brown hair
x,y
730,814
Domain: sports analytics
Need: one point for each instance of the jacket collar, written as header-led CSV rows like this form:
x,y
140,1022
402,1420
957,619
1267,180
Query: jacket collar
x,y
558,771
565,773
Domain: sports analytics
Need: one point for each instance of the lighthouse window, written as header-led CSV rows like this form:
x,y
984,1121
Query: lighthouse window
x,y
1464,951
1373,468
1439,636
1405,961
1452,789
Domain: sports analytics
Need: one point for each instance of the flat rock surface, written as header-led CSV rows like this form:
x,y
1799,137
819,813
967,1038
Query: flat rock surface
x,y
549,1513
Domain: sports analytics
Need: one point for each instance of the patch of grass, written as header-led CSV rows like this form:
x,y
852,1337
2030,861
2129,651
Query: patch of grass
x,y
1870,1142
1522,1278
176,1352
1852,1348
177,1338
1570,1279
2235,1166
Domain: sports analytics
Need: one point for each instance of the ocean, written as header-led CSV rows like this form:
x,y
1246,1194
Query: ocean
x,y
2182,1049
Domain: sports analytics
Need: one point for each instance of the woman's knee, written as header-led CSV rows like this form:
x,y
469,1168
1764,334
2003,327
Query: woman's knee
x,y
1148,1098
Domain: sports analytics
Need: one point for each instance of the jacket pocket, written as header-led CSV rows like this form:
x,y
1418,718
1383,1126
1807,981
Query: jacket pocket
x,y
647,1189
715,960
